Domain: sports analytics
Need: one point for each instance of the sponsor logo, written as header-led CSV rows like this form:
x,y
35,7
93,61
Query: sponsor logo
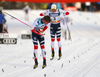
x,y
8,40
26,36
54,14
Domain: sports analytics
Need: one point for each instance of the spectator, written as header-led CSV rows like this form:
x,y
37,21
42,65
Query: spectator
x,y
26,10
88,4
2,20
78,5
83,6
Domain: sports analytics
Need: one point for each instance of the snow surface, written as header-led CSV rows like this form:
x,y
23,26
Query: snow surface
x,y
80,57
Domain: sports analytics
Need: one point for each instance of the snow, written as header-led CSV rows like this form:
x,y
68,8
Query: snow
x,y
80,57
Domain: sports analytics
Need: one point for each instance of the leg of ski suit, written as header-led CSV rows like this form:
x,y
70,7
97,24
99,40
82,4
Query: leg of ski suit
x,y
65,32
68,28
39,38
1,28
55,29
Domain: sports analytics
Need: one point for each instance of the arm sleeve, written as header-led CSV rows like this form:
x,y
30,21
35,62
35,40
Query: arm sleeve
x,y
34,24
64,12
46,27
44,13
3,18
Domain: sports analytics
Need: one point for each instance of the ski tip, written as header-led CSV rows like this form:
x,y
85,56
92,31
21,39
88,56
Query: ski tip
x,y
59,58
51,58
35,66
44,66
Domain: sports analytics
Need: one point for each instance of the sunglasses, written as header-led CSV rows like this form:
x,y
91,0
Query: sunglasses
x,y
53,9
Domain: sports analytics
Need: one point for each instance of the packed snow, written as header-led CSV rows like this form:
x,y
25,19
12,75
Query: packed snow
x,y
80,56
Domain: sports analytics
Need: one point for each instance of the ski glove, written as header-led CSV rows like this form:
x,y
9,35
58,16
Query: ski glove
x,y
41,14
37,32
42,30
67,13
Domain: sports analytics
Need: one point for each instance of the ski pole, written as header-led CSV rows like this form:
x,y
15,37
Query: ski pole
x,y
16,18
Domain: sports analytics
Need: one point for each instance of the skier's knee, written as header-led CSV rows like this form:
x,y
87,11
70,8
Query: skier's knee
x,y
35,46
58,39
42,46
53,39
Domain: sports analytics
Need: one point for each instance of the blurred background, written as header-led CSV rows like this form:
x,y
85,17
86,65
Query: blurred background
x,y
81,6
81,54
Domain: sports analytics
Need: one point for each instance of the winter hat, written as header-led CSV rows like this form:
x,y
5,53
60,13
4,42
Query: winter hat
x,y
53,6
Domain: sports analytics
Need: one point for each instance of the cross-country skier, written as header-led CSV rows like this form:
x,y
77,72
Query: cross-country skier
x,y
2,20
55,28
67,22
39,25
26,10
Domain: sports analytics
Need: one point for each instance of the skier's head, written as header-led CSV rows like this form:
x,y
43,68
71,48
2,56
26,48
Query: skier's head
x,y
46,19
53,8
27,6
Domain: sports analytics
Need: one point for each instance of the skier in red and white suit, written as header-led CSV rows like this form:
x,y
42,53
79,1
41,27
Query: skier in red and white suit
x,y
39,25
55,28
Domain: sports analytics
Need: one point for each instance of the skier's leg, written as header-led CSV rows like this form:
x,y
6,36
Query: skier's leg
x,y
35,51
35,55
43,51
69,35
42,45
52,47
69,31
1,28
65,35
52,32
27,16
58,35
43,54
59,45
35,42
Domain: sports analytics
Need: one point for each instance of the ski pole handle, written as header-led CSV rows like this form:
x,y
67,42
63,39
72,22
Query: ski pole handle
x,y
16,18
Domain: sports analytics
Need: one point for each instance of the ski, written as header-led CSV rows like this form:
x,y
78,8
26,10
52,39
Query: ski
x,y
59,58
51,58
44,66
35,66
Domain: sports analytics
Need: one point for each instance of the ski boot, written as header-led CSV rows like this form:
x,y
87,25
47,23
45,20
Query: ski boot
x,y
65,38
36,64
52,55
60,54
69,36
44,63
